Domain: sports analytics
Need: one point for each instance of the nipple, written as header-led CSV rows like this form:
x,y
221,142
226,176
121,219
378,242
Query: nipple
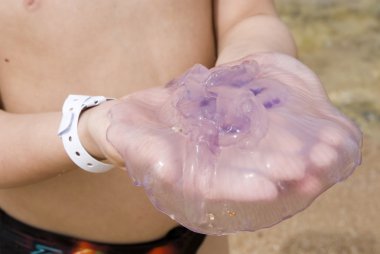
x,y
31,5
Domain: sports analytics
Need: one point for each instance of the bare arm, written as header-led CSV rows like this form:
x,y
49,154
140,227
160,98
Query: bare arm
x,y
29,148
246,27
31,151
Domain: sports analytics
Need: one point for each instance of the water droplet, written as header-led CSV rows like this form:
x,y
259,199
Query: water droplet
x,y
176,129
231,213
211,216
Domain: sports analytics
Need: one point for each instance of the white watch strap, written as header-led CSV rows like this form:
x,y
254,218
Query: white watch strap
x,y
68,131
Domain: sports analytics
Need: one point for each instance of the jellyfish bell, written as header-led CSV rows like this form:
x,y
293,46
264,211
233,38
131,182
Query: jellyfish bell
x,y
237,147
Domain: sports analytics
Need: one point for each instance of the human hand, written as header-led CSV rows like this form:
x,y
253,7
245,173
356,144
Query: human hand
x,y
92,129
238,147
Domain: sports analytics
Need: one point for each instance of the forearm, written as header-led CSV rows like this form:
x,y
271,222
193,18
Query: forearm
x,y
30,148
31,151
254,34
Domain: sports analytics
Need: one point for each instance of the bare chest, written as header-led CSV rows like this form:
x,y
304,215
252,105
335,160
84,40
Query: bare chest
x,y
51,48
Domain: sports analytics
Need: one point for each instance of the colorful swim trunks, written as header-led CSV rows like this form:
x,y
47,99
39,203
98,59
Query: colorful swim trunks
x,y
19,238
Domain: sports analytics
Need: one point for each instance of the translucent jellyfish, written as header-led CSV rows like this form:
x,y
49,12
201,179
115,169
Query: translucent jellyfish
x,y
237,147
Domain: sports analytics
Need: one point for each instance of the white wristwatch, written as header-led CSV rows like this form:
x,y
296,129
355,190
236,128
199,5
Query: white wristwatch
x,y
68,131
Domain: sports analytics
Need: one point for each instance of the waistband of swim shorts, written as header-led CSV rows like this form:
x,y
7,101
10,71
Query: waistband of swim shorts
x,y
28,239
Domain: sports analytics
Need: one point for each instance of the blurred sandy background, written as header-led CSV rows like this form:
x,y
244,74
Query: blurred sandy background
x,y
340,41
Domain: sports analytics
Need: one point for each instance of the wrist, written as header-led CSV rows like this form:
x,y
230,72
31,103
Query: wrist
x,y
70,133
86,135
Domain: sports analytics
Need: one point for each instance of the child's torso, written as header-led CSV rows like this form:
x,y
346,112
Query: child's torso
x,y
49,49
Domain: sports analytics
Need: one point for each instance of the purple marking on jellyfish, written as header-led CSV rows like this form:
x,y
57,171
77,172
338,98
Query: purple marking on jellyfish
x,y
204,103
257,91
208,107
270,104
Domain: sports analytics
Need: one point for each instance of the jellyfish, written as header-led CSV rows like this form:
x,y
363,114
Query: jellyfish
x,y
237,147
